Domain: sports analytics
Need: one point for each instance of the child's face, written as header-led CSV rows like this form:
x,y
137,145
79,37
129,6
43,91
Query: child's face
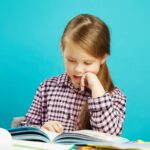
x,y
78,62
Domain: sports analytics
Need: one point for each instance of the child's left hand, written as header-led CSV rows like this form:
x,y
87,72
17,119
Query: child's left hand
x,y
91,81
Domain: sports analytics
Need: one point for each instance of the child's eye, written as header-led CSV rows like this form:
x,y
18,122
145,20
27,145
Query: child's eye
x,y
70,60
87,63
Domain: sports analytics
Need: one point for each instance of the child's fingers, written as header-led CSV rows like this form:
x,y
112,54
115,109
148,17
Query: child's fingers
x,y
60,127
56,128
48,127
82,84
53,126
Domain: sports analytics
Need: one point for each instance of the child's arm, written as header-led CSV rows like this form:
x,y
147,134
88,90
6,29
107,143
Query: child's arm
x,y
107,110
34,115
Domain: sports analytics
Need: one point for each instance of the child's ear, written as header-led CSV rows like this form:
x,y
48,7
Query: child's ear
x,y
104,58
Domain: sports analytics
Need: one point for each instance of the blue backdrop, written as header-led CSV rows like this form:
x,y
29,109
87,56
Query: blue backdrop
x,y
30,32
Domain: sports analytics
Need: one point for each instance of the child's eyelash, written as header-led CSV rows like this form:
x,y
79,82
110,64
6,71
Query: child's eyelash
x,y
88,63
71,60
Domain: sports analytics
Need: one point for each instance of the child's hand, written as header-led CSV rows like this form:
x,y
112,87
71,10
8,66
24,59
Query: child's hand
x,y
55,126
91,81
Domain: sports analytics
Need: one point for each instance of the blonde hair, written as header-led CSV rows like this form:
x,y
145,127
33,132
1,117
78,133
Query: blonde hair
x,y
91,34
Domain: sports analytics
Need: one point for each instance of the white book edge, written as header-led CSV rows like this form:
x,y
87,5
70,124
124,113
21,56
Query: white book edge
x,y
40,145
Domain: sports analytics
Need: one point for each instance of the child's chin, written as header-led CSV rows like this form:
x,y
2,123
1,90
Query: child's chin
x,y
76,85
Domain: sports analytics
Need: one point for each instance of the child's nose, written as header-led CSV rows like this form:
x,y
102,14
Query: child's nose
x,y
79,68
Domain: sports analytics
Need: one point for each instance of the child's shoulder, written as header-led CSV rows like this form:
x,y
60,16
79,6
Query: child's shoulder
x,y
55,80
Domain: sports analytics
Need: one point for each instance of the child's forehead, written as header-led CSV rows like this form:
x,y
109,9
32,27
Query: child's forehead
x,y
74,47
77,52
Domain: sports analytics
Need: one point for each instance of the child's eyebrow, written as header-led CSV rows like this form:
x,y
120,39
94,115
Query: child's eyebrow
x,y
88,60
84,60
70,57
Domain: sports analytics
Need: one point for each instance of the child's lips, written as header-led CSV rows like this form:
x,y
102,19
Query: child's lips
x,y
77,77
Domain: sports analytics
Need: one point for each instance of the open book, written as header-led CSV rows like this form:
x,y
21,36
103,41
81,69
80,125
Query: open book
x,y
56,141
74,137
7,143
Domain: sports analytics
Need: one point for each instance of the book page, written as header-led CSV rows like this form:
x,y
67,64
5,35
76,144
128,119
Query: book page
x,y
104,136
5,139
32,134
50,134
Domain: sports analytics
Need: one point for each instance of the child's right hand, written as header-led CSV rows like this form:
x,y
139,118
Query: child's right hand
x,y
55,126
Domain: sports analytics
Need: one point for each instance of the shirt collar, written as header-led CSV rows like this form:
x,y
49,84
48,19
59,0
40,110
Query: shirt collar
x,y
64,80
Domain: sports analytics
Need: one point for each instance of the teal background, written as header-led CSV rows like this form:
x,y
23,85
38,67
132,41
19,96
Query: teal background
x,y
30,32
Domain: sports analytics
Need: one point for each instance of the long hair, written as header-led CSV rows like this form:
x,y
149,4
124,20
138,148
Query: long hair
x,y
91,34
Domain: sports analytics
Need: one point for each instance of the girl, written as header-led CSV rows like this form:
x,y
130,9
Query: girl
x,y
84,97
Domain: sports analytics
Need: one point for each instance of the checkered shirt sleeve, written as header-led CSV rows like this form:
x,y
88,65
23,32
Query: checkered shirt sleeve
x,y
35,113
108,112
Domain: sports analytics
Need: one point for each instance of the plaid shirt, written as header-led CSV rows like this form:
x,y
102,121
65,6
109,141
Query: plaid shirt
x,y
56,99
